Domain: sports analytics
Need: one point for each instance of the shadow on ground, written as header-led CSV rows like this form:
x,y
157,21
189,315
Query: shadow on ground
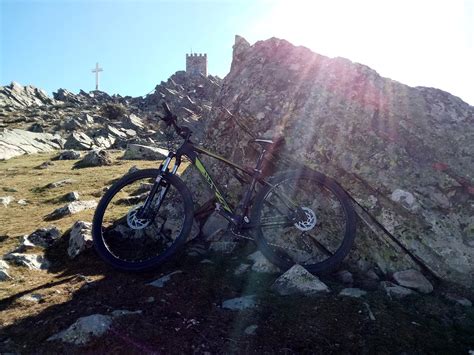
x,y
185,316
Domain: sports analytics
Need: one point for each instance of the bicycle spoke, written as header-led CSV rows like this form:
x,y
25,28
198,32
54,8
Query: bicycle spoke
x,y
319,245
304,220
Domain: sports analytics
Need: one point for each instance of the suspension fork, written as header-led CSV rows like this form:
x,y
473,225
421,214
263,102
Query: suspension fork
x,y
145,211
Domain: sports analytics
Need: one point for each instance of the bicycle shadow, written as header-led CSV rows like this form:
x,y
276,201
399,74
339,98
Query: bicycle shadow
x,y
86,285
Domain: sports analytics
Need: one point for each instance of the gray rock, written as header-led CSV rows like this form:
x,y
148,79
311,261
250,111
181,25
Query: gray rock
x,y
345,276
225,247
44,237
84,329
31,261
79,140
22,202
33,298
60,183
463,301
240,303
4,275
353,292
133,122
214,224
143,152
196,250
164,279
241,269
80,238
68,155
413,279
36,127
45,165
71,208
71,196
251,329
6,200
262,264
17,142
372,275
96,157
396,291
298,280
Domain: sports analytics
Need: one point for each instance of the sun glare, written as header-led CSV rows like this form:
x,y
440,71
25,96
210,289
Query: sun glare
x,y
426,43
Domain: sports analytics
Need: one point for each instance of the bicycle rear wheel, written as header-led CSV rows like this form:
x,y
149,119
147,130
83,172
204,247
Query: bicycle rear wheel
x,y
304,218
133,239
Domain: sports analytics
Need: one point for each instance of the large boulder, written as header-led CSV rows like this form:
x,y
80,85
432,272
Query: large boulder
x,y
79,140
14,142
96,157
43,237
405,154
80,238
31,261
143,152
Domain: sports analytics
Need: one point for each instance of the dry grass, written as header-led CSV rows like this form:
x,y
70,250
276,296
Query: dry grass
x,y
21,175
16,220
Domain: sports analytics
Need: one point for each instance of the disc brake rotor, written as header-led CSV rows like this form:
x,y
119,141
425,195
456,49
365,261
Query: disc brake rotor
x,y
133,221
308,223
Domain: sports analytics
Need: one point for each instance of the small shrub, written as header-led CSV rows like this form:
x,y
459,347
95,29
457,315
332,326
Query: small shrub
x,y
113,111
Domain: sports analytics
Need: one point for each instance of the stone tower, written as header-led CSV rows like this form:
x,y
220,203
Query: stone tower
x,y
196,64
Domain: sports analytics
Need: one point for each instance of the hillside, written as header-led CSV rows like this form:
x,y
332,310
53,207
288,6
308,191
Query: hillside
x,y
404,155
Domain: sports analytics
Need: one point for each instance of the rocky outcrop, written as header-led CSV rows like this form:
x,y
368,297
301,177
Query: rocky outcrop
x,y
405,154
18,142
16,95
97,120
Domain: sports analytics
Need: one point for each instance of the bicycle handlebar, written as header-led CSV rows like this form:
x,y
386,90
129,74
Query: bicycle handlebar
x,y
171,120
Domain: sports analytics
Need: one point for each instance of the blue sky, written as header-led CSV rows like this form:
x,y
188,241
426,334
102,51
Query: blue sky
x,y
53,44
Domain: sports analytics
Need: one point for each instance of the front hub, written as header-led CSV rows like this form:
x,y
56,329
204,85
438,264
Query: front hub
x,y
306,219
133,221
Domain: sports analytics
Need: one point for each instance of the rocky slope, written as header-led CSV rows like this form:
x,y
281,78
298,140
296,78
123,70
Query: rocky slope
x,y
96,119
405,154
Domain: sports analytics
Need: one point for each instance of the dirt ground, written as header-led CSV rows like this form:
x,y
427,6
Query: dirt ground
x,y
186,315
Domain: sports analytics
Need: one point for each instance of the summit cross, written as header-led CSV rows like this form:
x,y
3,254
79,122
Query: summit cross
x,y
96,71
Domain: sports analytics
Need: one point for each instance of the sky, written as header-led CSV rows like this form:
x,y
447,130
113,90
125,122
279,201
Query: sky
x,y
54,44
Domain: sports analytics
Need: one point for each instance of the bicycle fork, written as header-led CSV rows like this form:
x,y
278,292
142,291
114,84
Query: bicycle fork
x,y
145,211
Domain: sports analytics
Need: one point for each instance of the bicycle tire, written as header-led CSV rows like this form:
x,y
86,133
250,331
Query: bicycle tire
x,y
108,230
319,212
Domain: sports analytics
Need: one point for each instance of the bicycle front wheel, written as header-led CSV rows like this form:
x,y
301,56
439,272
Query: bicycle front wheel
x,y
134,239
304,218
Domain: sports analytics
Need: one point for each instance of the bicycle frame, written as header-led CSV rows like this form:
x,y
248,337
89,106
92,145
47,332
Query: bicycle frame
x,y
189,150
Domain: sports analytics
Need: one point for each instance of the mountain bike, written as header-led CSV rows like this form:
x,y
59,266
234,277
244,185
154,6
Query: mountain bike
x,y
294,217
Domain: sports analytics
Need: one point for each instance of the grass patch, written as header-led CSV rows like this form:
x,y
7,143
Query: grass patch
x,y
19,177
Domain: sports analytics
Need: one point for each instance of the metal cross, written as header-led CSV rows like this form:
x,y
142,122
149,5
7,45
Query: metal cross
x,y
96,71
